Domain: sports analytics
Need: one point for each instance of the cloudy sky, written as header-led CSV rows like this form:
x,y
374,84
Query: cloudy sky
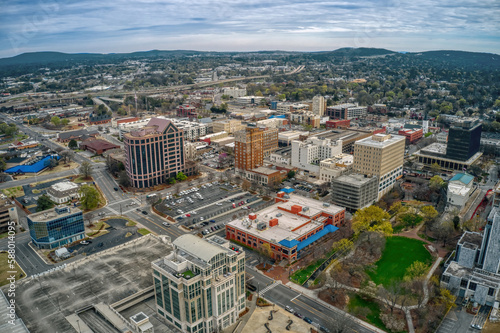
x,y
251,25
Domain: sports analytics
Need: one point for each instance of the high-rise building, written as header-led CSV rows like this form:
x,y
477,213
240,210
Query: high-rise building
x,y
381,155
474,271
354,191
464,139
154,153
200,286
8,213
55,227
269,141
248,149
318,105
307,155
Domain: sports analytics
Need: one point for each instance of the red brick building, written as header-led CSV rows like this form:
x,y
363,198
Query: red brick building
x,y
97,146
289,228
338,123
412,135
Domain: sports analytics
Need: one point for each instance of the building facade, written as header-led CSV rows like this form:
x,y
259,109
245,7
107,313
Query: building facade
x,y
411,135
354,191
460,188
289,228
229,126
346,111
318,105
464,139
200,286
55,227
474,271
248,149
8,213
306,155
154,153
381,155
63,192
269,141
334,167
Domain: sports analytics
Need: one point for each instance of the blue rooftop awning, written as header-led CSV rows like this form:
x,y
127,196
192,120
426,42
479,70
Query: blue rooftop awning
x,y
287,190
301,245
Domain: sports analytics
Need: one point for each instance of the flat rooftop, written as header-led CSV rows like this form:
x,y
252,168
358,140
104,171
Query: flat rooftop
x,y
354,179
289,225
50,214
435,148
380,140
44,302
64,186
344,135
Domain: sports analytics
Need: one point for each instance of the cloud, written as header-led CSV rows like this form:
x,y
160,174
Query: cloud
x,y
120,25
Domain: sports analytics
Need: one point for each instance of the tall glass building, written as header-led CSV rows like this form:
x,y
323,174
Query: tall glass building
x,y
200,286
55,227
464,139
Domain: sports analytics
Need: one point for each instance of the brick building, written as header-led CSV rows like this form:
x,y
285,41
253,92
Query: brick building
x,y
411,135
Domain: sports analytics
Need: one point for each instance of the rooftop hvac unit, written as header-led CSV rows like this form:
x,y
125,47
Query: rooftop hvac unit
x,y
261,226
326,204
305,209
286,196
279,214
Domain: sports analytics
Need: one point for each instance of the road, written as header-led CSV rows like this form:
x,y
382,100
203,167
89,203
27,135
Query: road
x,y
19,101
285,296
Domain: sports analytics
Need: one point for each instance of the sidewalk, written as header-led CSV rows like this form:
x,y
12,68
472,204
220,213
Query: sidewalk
x,y
241,322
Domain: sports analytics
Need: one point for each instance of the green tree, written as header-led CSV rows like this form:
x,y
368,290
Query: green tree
x,y
3,165
65,122
181,176
290,174
86,170
435,168
123,179
89,197
429,213
416,270
372,218
73,144
56,121
456,222
44,203
435,183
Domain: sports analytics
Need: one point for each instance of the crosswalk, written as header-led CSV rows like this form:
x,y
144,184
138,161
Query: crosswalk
x,y
269,287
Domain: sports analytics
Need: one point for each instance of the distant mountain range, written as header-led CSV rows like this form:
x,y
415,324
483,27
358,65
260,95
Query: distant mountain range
x,y
458,58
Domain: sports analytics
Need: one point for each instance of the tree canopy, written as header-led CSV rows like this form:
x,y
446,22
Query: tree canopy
x,y
90,197
44,203
372,218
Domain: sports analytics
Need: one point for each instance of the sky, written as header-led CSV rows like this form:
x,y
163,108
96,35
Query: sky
x,y
88,26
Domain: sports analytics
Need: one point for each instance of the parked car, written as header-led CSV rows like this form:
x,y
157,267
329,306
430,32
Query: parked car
x,y
212,221
116,188
307,320
289,309
298,315
144,212
84,242
166,224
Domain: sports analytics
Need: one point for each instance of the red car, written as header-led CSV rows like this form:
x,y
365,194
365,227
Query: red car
x,y
188,215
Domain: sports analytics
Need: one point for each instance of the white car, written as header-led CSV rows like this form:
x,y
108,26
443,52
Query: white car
x,y
218,204
166,224
201,218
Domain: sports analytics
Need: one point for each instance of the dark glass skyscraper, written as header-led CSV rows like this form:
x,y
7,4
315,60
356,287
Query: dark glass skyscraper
x,y
464,139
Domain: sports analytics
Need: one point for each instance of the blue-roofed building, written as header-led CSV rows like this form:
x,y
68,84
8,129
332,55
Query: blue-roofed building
x,y
34,166
291,226
460,189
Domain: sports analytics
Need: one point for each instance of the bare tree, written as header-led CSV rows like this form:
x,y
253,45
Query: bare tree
x,y
67,156
391,295
85,169
177,188
89,217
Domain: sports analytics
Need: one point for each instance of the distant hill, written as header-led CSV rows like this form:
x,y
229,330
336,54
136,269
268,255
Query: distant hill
x,y
460,58
350,52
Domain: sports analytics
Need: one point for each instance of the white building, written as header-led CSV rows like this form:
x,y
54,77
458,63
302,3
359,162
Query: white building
x,y
200,286
192,130
334,167
63,192
281,156
306,155
245,100
460,188
234,92
285,107
353,111
318,105
286,138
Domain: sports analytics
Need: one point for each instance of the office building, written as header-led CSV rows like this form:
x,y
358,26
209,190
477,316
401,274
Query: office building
x,y
318,105
346,111
355,191
200,286
436,153
474,271
252,145
270,141
285,138
411,135
286,107
63,192
306,155
154,153
334,167
228,126
55,227
460,188
464,139
305,118
8,213
234,92
381,155
289,228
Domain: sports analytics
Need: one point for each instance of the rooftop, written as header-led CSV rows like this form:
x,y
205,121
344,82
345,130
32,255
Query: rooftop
x,y
52,213
463,177
354,179
99,144
197,246
64,186
265,170
471,238
290,226
435,148
380,140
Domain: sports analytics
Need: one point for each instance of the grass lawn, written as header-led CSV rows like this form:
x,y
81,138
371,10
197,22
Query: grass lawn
x,y
398,255
301,275
4,268
372,310
15,192
98,229
131,224
143,231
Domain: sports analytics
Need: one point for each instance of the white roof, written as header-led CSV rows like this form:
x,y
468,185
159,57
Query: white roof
x,y
198,247
64,186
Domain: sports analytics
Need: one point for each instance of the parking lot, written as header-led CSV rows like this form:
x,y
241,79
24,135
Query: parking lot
x,y
458,320
209,206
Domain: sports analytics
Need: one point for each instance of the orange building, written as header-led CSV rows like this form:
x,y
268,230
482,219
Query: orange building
x,y
248,149
412,135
